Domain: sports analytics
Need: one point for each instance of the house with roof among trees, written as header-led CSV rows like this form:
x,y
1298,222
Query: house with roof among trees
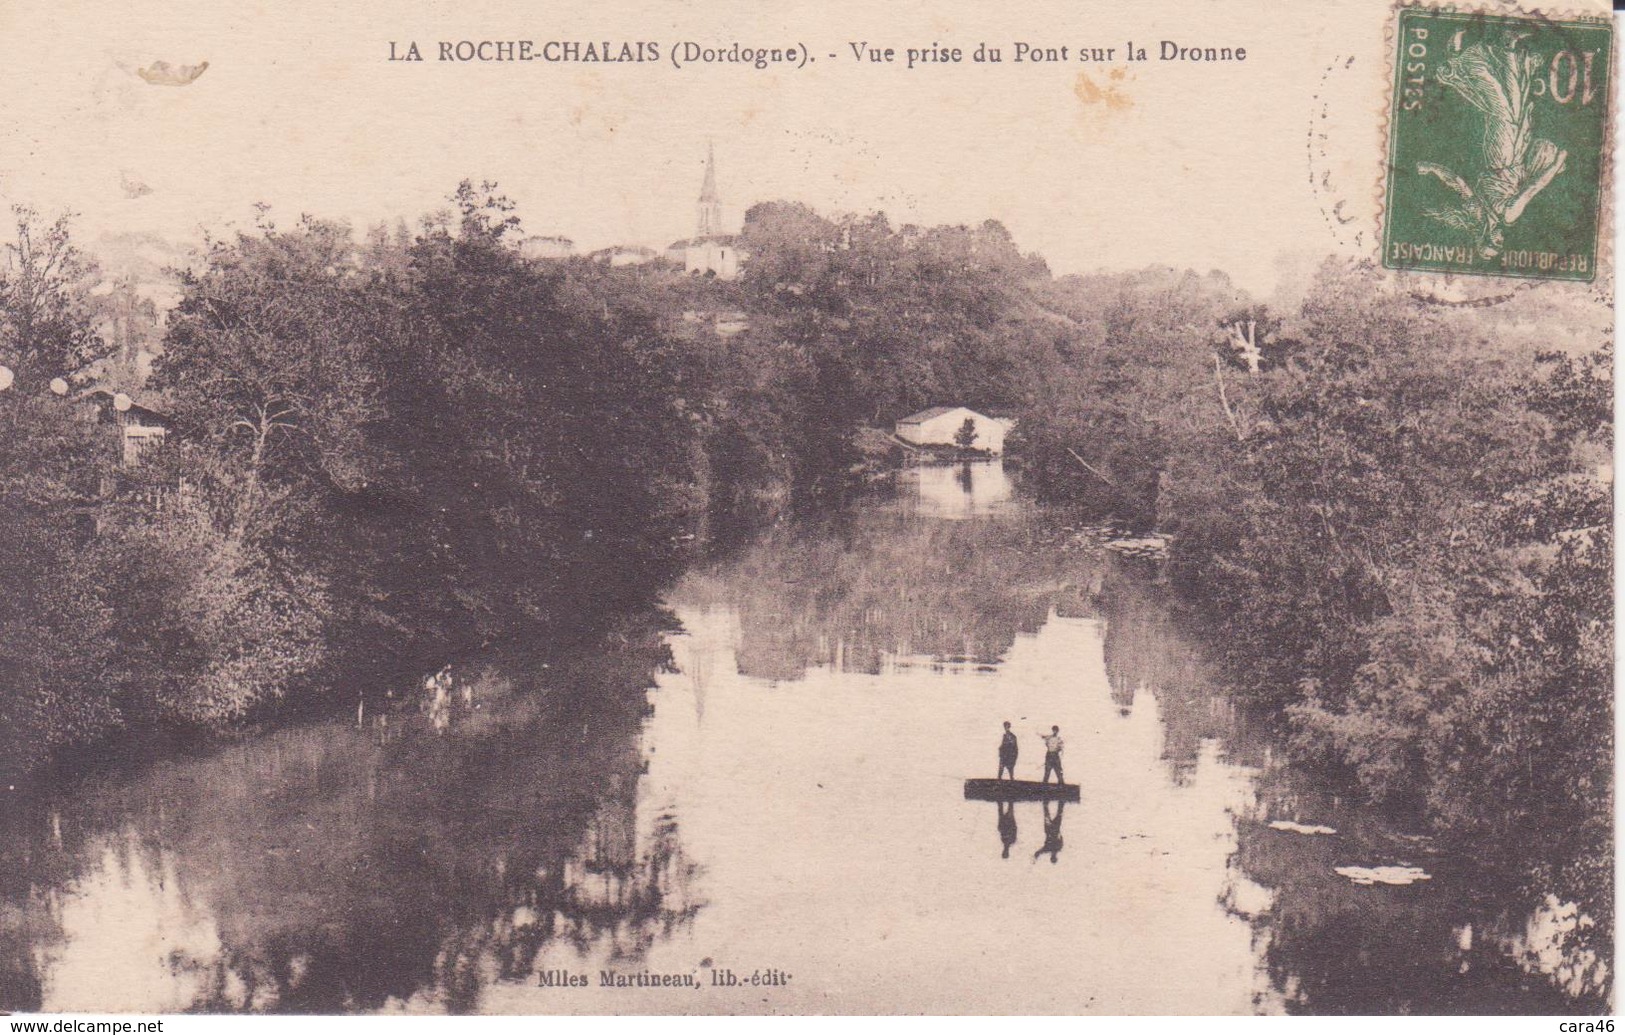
x,y
142,423
957,426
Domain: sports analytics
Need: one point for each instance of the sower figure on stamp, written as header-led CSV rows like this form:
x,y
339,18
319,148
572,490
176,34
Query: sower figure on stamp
x,y
1008,749
1052,755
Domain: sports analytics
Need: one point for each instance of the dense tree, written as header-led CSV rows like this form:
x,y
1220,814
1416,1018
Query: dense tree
x,y
59,678
1132,394
388,453
541,424
47,325
965,437
59,669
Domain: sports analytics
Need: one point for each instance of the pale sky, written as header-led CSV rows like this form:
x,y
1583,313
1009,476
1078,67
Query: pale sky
x,y
1206,166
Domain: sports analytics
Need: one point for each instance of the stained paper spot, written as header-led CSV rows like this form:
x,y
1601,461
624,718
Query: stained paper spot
x,y
162,73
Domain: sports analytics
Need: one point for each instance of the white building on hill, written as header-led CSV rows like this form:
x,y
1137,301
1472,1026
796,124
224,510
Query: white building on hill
x,y
941,426
547,247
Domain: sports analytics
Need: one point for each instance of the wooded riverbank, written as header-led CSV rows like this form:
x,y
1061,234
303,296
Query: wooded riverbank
x,y
391,449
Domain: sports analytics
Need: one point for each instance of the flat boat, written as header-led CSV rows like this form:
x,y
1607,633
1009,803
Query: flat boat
x,y
1019,790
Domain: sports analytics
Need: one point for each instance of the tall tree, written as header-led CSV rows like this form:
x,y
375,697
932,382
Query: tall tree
x,y
46,324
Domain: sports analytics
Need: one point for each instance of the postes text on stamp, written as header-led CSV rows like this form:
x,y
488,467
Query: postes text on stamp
x,y
1495,144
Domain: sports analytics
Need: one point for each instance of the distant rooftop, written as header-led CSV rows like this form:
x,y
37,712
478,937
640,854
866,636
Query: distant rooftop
x,y
933,412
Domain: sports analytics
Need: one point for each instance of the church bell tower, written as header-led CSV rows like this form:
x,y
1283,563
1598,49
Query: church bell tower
x,y
710,204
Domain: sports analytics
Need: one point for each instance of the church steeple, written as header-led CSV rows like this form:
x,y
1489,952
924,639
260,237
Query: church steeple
x,y
710,204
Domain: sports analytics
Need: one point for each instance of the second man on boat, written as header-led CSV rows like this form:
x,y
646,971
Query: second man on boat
x,y
1052,755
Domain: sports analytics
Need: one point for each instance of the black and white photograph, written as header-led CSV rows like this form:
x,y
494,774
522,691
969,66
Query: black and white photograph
x,y
953,508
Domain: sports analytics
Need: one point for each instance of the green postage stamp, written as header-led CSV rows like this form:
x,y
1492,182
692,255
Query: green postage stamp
x,y
1496,139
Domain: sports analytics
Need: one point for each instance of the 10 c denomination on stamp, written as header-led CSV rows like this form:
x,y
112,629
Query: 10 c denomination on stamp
x,y
1496,139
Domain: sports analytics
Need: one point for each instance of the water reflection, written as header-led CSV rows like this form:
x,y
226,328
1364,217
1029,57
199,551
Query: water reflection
x,y
883,592
778,784
1007,825
957,491
337,869
1454,944
888,857
1052,833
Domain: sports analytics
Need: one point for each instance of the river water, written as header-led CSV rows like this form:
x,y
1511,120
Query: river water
x,y
762,785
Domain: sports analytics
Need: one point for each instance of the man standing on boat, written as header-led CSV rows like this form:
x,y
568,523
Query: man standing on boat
x,y
1052,755
1008,749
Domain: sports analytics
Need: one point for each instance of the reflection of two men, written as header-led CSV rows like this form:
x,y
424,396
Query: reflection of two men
x,y
1052,830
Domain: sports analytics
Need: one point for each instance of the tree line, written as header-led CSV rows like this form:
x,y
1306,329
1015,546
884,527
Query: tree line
x,y
1395,516
392,448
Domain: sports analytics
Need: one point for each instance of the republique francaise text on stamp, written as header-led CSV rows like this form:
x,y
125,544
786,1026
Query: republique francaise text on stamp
x,y
1495,144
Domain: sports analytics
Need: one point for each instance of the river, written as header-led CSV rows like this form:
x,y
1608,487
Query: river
x,y
763,782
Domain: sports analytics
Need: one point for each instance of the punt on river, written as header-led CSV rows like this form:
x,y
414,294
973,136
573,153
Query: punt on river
x,y
1019,790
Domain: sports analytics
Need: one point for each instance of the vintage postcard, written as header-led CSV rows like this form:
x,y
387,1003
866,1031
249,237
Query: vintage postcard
x,y
733,508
